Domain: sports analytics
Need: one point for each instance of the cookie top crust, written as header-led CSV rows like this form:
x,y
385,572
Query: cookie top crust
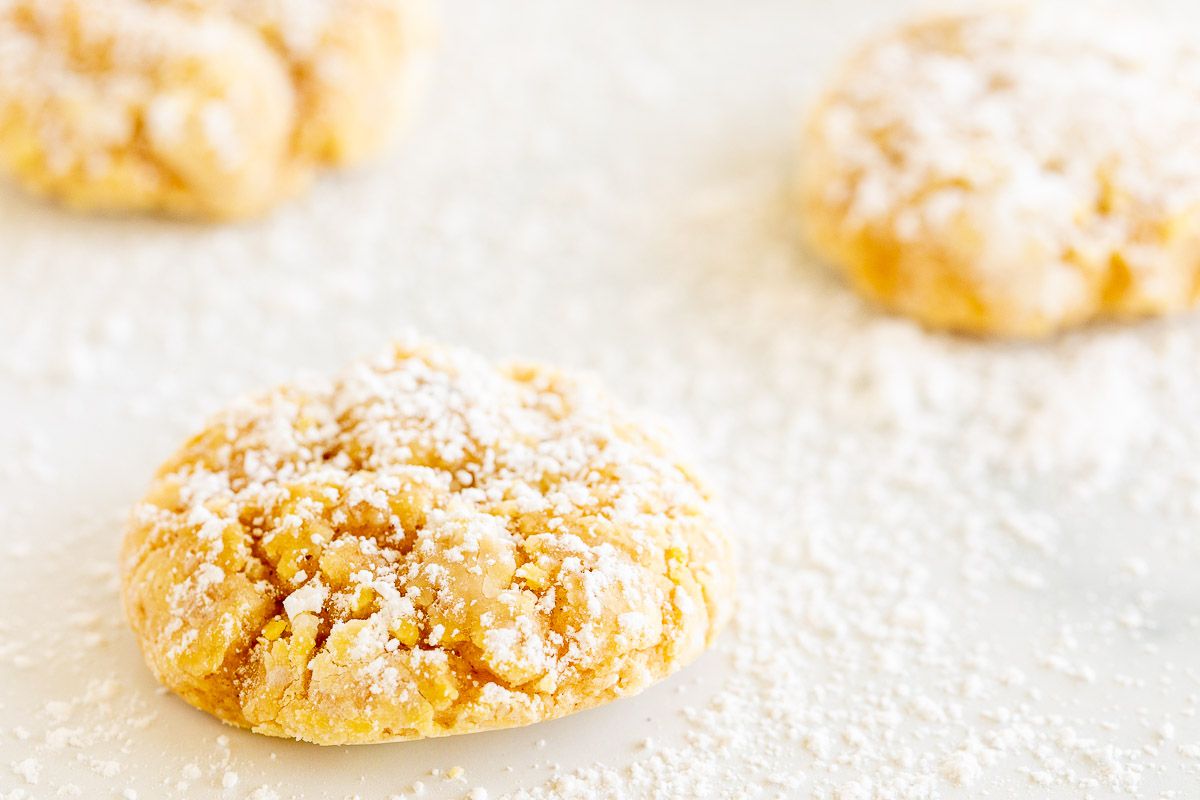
x,y
428,544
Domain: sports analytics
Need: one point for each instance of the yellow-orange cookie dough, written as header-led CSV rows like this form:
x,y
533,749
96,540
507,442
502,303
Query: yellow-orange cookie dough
x,y
202,108
429,544
1013,171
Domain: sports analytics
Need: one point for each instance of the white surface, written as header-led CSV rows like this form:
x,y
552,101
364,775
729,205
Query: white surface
x,y
969,569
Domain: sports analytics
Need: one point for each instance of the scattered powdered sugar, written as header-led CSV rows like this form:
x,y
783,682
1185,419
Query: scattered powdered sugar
x,y
28,769
968,569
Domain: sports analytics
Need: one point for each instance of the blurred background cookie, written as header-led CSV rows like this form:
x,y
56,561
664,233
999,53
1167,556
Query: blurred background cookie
x,y
201,108
1013,171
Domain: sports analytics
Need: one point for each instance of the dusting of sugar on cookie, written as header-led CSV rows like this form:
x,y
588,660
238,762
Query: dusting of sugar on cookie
x,y
1013,170
206,109
425,545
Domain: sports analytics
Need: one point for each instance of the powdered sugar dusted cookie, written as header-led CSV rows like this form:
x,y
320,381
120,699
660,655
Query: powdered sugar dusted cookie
x,y
428,544
1013,171
206,108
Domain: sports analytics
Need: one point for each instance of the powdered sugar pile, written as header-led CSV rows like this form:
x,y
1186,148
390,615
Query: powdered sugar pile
x,y
968,570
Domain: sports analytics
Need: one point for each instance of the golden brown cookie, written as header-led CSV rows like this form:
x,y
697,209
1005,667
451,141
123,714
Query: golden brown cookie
x,y
203,108
428,544
1013,171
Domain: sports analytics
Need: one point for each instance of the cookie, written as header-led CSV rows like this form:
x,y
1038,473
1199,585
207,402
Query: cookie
x,y
429,544
1012,171
213,109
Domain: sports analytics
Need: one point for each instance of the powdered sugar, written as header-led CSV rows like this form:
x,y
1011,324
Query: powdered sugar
x,y
886,484
308,599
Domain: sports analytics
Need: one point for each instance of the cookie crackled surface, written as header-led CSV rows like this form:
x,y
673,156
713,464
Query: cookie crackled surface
x,y
428,544
1013,171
